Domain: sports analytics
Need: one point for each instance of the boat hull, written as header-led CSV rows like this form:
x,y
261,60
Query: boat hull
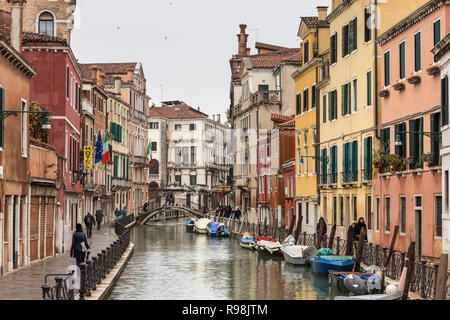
x,y
202,231
247,245
323,266
296,261
189,227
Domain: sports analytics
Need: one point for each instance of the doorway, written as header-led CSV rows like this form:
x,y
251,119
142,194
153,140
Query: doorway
x,y
418,224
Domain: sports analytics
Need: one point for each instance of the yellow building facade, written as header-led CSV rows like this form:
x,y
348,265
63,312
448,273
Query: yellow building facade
x,y
349,108
118,127
314,32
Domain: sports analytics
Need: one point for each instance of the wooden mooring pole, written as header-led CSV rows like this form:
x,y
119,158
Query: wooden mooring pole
x,y
291,224
298,230
320,235
362,238
350,235
410,266
442,276
388,258
332,234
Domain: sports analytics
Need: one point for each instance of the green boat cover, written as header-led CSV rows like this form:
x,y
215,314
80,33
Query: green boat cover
x,y
324,252
337,258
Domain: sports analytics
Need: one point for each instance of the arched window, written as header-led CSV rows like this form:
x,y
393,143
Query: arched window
x,y
46,24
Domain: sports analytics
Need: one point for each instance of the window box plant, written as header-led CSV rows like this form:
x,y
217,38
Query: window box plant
x,y
384,93
396,163
434,69
414,79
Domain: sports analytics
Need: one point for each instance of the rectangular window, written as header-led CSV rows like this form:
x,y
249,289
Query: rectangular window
x,y
192,127
334,210
369,88
369,211
402,60
307,212
116,166
415,142
178,127
385,140
193,180
67,82
402,214
387,214
298,103
333,164
193,155
444,100
306,52
355,95
400,132
345,99
324,108
154,146
387,68
377,214
435,119
341,211
438,215
323,167
178,179
325,213
367,159
154,125
305,144
367,24
446,191
436,35
332,105
305,100
24,126
333,48
313,96
299,155
355,208
345,47
417,52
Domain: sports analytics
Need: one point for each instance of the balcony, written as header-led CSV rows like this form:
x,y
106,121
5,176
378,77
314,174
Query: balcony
x,y
118,183
367,175
87,107
259,98
328,180
242,182
349,177
138,161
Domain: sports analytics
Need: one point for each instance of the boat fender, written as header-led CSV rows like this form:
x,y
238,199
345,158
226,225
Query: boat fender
x,y
355,285
391,289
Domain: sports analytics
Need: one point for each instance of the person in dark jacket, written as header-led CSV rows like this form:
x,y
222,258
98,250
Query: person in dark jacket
x,y
117,212
238,213
358,227
80,245
89,221
318,227
99,217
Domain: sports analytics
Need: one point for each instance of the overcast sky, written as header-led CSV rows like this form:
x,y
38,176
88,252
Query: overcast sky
x,y
184,45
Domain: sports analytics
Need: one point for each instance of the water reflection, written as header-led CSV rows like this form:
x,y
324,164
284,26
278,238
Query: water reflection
x,y
171,264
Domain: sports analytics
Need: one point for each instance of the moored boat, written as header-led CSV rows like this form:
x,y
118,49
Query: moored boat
x,y
296,255
336,278
190,225
217,229
322,265
268,245
247,240
201,224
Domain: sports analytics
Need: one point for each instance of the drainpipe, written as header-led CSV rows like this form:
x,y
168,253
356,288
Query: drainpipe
x,y
317,146
377,135
257,162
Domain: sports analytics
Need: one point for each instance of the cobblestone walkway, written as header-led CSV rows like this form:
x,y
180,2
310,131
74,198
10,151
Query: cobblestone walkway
x,y
25,284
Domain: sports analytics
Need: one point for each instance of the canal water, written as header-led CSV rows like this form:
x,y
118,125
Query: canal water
x,y
170,264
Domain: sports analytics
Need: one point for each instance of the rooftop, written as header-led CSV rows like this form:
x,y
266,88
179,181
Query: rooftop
x,y
179,110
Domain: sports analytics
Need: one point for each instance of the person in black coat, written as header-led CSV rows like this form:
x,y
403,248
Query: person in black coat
x,y
358,227
89,221
80,245
99,217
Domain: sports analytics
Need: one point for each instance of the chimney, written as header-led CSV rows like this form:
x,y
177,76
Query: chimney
x,y
94,74
101,82
16,23
214,117
242,41
322,13
218,118
117,85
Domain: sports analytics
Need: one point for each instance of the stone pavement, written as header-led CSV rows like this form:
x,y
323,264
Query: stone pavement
x,y
25,283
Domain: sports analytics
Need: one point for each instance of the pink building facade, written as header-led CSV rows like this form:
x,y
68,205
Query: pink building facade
x,y
407,186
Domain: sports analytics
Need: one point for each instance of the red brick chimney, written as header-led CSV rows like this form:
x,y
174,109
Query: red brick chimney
x,y
16,23
94,74
101,82
117,85
242,41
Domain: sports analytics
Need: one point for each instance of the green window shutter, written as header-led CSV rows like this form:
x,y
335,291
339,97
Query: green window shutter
x,y
436,35
324,166
121,131
335,104
344,161
369,88
350,37
330,115
324,106
398,149
383,140
127,169
402,60
366,155
420,136
412,140
341,209
344,40
343,100
444,100
355,33
297,104
332,49
434,125
403,135
116,160
355,160
417,52
387,69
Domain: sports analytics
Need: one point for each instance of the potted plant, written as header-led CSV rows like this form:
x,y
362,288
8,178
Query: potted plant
x,y
413,79
384,93
430,159
413,163
434,69
36,120
396,163
379,162
399,85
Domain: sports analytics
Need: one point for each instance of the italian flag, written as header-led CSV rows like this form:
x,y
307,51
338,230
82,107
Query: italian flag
x,y
149,153
105,154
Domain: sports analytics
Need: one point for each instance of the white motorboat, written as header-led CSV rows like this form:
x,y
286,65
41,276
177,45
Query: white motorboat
x,y
295,255
201,224
268,245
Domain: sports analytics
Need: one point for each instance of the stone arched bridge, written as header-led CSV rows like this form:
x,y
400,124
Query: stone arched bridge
x,y
148,215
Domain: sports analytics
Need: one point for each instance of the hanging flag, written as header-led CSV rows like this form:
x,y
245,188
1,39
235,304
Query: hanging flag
x,y
149,153
98,149
105,153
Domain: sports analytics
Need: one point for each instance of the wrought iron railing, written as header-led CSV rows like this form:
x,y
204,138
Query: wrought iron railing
x,y
349,176
62,290
367,174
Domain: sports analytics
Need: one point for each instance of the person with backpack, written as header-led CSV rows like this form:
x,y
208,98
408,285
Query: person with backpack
x,y
80,246
89,221
99,217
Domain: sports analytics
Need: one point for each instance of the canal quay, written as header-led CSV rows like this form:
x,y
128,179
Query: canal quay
x,y
169,263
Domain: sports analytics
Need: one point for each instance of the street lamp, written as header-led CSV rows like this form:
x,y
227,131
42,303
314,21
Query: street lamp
x,y
6,113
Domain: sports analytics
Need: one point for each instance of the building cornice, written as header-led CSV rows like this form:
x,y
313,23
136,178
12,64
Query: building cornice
x,y
305,68
16,59
339,9
411,20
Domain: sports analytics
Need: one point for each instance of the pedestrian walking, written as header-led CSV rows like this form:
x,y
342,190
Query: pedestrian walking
x,y
80,246
89,221
117,212
99,217
124,212
358,228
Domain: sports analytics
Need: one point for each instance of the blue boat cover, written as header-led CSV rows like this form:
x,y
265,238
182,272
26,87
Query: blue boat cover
x,y
213,226
247,240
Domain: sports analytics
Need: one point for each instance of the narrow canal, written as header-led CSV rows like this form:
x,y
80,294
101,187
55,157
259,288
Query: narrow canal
x,y
170,264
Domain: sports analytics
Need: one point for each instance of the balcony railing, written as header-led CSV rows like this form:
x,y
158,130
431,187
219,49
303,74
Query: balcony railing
x,y
262,97
367,174
121,183
349,176
87,107
328,179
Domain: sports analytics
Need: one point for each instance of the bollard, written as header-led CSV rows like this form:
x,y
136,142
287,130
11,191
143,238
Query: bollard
x,y
435,272
393,264
338,246
108,259
370,253
100,267
377,247
103,263
46,292
88,278
59,281
94,277
82,280
402,260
